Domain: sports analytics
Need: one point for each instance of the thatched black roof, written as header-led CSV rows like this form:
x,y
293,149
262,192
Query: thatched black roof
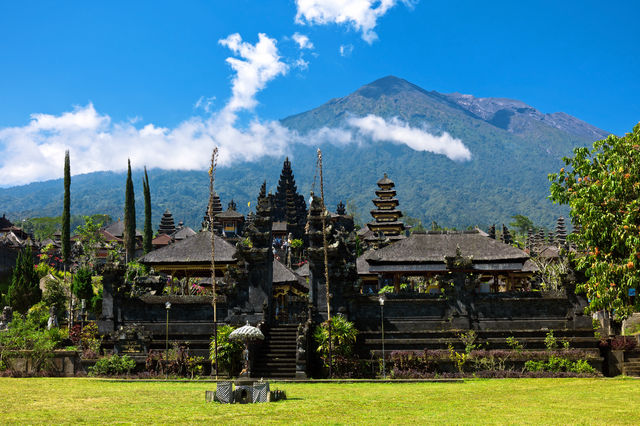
x,y
230,214
434,246
117,229
184,232
303,271
192,250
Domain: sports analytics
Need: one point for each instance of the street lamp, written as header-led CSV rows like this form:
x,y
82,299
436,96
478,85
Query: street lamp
x,y
167,306
381,300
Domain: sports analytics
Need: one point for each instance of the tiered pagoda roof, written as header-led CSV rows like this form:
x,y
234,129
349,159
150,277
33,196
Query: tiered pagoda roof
x,y
167,225
386,215
290,207
216,207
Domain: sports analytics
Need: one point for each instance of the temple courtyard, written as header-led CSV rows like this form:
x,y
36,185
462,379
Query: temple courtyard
x,y
530,401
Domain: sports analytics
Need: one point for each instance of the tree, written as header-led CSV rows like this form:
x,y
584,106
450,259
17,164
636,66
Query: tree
x,y
24,290
521,224
90,237
602,188
66,211
148,231
81,286
129,217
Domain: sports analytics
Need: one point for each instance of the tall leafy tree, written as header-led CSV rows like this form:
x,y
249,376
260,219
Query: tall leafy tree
x,y
66,211
24,290
602,187
81,286
129,217
148,231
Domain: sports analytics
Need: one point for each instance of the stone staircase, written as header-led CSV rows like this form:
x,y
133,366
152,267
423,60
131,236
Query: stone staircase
x,y
631,366
276,358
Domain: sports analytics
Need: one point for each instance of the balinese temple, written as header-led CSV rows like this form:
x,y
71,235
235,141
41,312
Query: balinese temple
x,y
290,207
498,266
191,257
167,225
216,208
386,214
232,221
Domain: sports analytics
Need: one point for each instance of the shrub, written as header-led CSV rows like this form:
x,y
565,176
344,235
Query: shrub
x,y
81,286
550,341
623,343
514,344
24,290
194,365
54,295
38,314
557,365
229,351
24,335
112,365
343,337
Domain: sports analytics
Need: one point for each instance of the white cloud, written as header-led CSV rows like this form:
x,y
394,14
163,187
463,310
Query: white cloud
x,y
399,132
346,50
260,64
362,15
205,103
302,41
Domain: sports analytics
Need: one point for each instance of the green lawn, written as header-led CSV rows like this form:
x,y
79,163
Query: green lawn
x,y
558,401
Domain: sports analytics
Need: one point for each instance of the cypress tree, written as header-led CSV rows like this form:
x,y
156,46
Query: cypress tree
x,y
129,217
148,232
24,290
66,213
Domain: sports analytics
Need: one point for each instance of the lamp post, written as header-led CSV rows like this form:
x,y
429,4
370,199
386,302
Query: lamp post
x,y
381,300
167,306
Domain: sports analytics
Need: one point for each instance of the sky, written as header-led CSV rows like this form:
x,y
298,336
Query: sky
x,y
164,82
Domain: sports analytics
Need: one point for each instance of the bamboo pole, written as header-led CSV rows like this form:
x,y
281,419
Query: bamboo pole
x,y
214,302
326,259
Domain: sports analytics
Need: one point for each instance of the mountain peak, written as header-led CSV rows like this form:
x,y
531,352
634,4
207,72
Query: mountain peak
x,y
388,86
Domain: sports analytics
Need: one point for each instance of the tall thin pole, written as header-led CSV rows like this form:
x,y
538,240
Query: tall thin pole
x,y
326,258
214,302
384,370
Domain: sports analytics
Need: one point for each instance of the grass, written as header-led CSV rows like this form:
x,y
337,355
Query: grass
x,y
534,401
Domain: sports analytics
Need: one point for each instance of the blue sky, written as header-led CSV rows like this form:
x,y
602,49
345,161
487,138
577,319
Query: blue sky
x,y
121,66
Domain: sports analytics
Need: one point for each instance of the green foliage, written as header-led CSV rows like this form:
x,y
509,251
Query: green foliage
x,y
129,217
229,351
602,188
194,365
469,340
135,269
25,335
343,338
514,344
521,224
38,314
112,365
558,364
24,290
550,342
458,358
81,286
147,236
55,295
296,243
96,303
91,239
66,211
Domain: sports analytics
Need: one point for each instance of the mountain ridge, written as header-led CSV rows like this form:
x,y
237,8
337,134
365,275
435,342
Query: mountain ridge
x,y
507,173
